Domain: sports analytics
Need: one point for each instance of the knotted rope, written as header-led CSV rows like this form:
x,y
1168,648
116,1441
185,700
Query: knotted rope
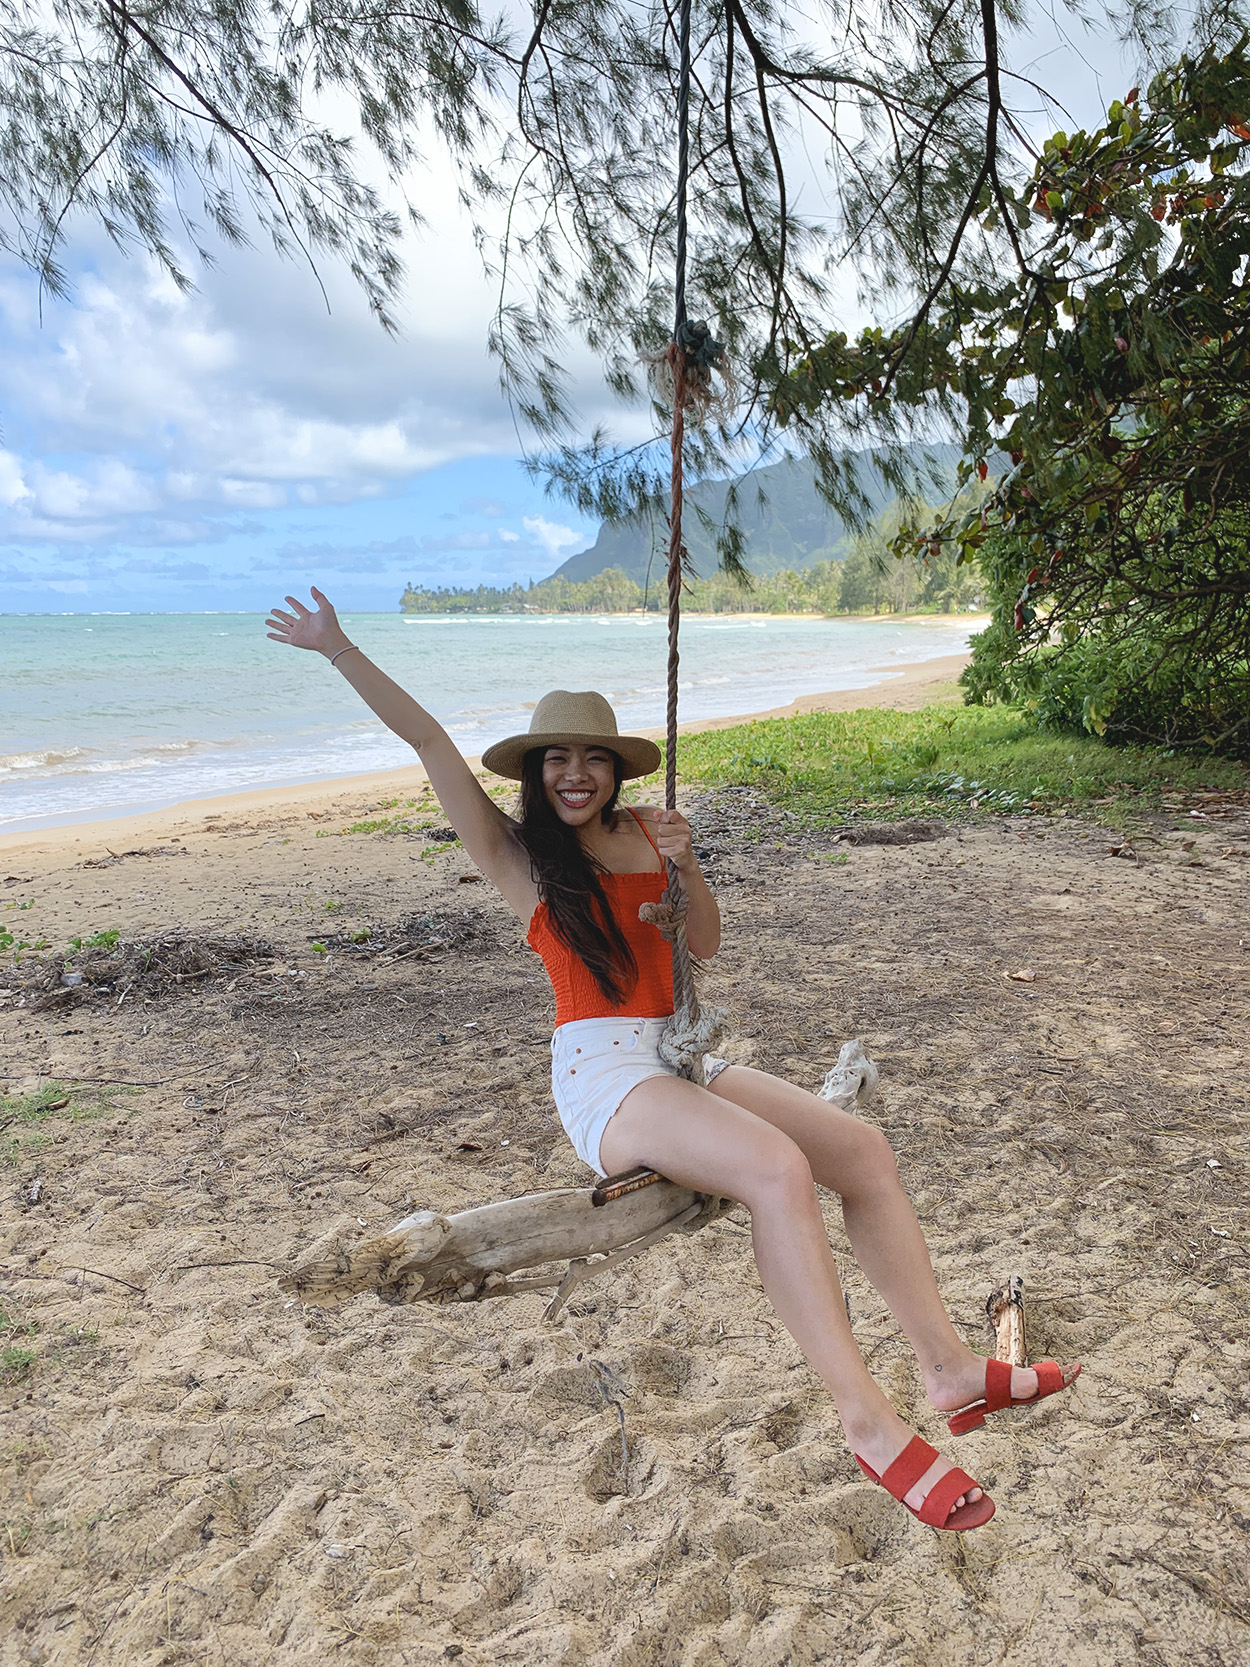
x,y
691,356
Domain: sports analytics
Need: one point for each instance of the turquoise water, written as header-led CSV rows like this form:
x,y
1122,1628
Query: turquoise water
x,y
106,714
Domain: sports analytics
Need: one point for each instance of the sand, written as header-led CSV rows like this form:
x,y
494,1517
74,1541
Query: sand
x,y
195,1470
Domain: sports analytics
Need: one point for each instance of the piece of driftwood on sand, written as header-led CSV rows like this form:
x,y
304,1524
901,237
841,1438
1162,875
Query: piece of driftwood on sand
x,y
474,1254
1006,1312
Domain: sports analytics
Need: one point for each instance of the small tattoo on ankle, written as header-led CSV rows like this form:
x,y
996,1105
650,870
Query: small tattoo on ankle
x,y
937,1368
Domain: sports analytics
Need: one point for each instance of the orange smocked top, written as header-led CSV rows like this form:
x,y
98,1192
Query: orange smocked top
x,y
577,994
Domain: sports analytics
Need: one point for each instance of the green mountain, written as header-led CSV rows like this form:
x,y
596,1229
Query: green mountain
x,y
786,524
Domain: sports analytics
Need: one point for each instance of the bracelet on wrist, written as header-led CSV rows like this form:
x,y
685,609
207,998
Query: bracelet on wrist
x,y
341,652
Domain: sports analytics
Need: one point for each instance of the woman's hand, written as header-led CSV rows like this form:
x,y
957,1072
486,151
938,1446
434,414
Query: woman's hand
x,y
304,629
674,838
676,844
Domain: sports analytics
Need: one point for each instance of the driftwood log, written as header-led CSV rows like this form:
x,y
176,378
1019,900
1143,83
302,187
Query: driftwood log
x,y
1006,1313
474,1254
470,1256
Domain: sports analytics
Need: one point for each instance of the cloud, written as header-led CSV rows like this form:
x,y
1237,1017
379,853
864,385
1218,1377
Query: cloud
x,y
13,488
553,538
419,553
138,415
137,400
460,541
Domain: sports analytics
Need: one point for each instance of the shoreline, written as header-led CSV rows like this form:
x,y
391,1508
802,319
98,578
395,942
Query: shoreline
x,y
903,687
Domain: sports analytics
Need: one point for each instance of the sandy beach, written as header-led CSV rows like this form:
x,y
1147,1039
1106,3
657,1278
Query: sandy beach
x,y
302,1033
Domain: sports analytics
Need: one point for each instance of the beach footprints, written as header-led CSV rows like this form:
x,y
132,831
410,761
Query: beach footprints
x,y
784,1428
658,1368
620,1469
867,1520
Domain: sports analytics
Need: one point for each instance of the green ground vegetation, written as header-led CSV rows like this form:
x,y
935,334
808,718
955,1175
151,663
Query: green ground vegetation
x,y
19,1354
16,1355
944,760
23,1116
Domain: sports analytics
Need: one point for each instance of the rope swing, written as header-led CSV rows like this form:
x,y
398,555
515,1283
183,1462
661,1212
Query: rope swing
x,y
690,358
492,1250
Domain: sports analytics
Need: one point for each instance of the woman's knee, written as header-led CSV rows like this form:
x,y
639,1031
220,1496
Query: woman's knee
x,y
872,1162
780,1171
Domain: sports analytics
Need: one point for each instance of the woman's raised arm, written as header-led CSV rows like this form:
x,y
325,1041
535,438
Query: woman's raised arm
x,y
488,835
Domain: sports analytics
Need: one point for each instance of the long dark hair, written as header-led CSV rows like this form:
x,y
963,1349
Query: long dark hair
x,y
568,882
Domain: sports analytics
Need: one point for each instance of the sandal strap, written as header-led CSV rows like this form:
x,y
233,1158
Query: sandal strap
x,y
942,1496
1049,1378
901,1477
997,1385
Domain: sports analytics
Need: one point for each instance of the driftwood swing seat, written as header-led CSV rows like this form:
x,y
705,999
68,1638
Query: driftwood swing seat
x,y
475,1254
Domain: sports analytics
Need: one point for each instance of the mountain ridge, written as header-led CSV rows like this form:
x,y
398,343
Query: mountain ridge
x,y
785,523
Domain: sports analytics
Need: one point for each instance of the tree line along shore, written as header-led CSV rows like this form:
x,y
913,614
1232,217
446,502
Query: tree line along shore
x,y
868,581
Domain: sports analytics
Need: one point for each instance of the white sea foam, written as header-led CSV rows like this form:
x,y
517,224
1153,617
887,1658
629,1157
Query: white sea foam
x,y
52,759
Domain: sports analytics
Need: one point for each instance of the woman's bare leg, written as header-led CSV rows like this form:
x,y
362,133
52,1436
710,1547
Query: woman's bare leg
x,y
719,1147
854,1160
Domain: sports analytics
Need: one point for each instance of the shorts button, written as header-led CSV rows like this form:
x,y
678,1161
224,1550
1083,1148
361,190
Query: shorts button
x,y
617,1043
572,1070
577,1050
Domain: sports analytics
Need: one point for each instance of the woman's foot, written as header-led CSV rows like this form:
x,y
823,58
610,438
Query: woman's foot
x,y
879,1447
954,1386
931,1487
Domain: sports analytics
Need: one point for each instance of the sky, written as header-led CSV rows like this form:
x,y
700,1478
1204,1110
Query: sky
x,y
216,449
211,450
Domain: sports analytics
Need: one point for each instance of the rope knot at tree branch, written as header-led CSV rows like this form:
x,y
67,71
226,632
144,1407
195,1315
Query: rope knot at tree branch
x,y
703,386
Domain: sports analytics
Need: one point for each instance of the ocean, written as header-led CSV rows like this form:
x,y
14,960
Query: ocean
x,y
108,714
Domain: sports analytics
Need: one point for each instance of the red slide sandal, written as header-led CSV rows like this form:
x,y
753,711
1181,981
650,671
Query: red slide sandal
x,y
907,1469
1050,1380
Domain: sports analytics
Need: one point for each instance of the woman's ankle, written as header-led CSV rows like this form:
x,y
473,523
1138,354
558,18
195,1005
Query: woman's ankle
x,y
952,1381
873,1430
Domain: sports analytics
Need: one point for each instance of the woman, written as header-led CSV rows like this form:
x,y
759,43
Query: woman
x,y
575,869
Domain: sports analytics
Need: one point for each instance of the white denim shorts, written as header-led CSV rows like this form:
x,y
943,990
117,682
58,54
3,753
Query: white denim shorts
x,y
595,1063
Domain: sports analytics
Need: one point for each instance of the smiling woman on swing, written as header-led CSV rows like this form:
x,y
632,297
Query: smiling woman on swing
x,y
575,867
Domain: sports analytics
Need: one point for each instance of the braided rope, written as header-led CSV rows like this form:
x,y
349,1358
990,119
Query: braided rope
x,y
683,159
689,1033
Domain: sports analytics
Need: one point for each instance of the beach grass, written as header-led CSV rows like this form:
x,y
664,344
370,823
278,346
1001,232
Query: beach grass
x,y
16,1357
960,761
22,1116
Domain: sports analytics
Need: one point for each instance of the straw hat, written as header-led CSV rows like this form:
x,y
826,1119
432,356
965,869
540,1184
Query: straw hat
x,y
562,719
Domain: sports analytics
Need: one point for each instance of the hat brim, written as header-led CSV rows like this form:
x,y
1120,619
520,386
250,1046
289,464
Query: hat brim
x,y
507,758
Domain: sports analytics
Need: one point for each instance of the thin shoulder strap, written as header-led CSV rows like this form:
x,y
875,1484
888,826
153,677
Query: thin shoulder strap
x,y
647,831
